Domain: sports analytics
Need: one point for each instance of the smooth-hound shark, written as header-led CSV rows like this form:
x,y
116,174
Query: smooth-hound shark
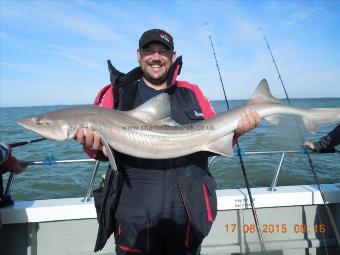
x,y
149,132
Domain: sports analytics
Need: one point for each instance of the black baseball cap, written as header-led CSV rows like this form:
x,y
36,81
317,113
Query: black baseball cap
x,y
156,35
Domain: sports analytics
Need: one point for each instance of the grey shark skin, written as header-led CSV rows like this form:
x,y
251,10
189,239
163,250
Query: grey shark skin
x,y
148,131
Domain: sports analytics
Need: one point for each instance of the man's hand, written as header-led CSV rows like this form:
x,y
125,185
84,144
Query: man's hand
x,y
249,120
87,137
309,145
17,166
13,165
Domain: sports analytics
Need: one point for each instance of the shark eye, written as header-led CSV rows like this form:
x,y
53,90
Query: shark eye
x,y
38,122
41,122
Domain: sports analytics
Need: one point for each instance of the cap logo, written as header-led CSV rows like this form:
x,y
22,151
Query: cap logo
x,y
165,37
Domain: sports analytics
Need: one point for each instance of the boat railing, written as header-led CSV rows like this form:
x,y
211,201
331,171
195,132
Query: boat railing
x,y
87,196
277,172
51,161
90,186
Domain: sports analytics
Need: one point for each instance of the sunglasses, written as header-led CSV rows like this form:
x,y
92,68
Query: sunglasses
x,y
150,52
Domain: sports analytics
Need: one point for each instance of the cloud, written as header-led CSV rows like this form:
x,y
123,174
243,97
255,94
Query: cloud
x,y
297,16
246,29
21,67
60,15
86,25
77,59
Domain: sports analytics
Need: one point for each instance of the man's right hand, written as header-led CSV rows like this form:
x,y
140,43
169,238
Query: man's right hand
x,y
87,137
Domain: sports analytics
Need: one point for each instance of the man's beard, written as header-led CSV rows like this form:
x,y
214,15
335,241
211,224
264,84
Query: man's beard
x,y
158,81
153,81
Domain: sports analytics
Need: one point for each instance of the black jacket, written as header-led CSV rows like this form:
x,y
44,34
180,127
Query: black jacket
x,y
328,142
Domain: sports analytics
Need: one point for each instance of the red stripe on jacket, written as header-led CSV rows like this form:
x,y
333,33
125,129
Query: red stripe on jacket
x,y
129,249
207,203
105,97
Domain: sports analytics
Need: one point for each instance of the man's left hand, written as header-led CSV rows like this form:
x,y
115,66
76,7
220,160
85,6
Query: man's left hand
x,y
249,120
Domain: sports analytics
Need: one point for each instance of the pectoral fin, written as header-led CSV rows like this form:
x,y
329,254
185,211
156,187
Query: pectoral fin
x,y
108,150
223,146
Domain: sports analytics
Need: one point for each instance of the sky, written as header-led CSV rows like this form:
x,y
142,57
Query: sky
x,y
55,52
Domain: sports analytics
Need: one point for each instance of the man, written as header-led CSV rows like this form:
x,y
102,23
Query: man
x,y
327,143
156,206
8,163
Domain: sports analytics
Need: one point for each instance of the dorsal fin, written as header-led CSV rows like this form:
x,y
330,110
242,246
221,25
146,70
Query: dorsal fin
x,y
153,110
263,95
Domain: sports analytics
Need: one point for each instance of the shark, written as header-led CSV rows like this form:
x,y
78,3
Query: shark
x,y
149,132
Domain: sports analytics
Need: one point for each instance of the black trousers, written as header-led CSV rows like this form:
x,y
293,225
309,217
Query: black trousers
x,y
151,216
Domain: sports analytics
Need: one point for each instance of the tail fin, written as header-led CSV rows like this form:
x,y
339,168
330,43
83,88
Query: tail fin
x,y
321,116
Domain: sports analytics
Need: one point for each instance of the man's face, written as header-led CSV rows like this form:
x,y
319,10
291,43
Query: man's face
x,y
155,61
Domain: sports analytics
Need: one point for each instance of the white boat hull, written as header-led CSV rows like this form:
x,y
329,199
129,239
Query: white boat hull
x,y
292,220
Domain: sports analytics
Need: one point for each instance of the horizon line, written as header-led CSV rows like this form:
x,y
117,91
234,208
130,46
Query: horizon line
x,y
213,100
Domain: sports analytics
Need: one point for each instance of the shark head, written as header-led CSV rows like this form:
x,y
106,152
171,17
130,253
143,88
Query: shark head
x,y
52,125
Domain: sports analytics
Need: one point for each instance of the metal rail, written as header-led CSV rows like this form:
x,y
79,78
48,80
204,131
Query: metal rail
x,y
89,188
87,195
97,163
276,175
248,153
51,162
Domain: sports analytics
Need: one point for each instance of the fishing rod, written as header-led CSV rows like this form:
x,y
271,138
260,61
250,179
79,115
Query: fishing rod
x,y
12,145
239,153
331,218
